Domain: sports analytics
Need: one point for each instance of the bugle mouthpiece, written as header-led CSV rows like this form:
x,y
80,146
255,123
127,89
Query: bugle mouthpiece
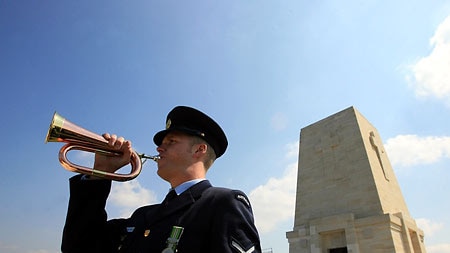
x,y
154,158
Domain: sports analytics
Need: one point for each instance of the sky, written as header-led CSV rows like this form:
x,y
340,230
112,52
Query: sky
x,y
262,69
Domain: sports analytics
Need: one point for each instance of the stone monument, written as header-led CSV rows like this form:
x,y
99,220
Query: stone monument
x,y
348,198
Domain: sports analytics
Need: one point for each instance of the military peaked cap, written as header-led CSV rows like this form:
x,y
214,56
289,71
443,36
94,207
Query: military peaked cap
x,y
194,122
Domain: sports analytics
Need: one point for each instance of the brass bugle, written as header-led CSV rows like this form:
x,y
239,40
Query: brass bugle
x,y
78,138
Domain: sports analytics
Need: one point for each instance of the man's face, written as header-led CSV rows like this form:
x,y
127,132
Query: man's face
x,y
176,152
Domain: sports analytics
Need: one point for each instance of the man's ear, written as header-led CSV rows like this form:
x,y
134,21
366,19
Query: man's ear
x,y
201,149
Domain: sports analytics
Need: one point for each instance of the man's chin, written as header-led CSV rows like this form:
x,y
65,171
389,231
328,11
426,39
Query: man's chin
x,y
161,173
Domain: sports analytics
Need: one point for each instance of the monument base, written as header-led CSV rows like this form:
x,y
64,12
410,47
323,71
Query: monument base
x,y
385,233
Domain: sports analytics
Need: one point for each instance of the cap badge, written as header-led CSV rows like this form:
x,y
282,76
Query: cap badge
x,y
168,123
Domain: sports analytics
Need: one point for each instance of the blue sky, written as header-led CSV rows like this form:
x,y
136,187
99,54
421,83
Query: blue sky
x,y
262,69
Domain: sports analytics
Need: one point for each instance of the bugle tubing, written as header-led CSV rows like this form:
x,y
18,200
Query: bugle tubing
x,y
78,138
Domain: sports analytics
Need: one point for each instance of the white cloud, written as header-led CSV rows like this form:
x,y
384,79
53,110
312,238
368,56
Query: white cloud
x,y
410,150
292,150
274,202
128,196
10,248
82,158
431,75
429,227
7,247
439,248
41,251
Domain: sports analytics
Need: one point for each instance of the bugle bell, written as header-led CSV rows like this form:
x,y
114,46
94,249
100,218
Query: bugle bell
x,y
78,138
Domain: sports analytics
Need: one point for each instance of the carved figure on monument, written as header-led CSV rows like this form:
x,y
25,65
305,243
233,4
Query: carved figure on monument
x,y
380,152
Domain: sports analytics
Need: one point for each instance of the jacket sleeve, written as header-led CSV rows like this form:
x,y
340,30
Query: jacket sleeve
x,y
234,219
86,229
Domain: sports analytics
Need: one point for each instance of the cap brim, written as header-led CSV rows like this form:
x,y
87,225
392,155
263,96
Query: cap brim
x,y
159,136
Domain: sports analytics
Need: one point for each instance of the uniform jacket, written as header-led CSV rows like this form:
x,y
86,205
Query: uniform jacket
x,y
215,220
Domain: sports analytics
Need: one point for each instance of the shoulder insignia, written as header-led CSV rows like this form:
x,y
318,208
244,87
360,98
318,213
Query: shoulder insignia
x,y
243,199
238,247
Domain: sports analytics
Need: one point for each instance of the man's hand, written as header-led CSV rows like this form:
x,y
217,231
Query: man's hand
x,y
111,163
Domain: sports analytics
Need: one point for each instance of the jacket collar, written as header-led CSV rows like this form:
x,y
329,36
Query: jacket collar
x,y
183,201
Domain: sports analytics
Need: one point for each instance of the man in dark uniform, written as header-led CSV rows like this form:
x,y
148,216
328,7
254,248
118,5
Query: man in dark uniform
x,y
194,217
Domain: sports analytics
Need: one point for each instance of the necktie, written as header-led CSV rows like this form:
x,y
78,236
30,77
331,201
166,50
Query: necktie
x,y
171,195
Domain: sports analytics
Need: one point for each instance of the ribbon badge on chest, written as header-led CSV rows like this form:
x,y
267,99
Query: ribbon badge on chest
x,y
172,241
